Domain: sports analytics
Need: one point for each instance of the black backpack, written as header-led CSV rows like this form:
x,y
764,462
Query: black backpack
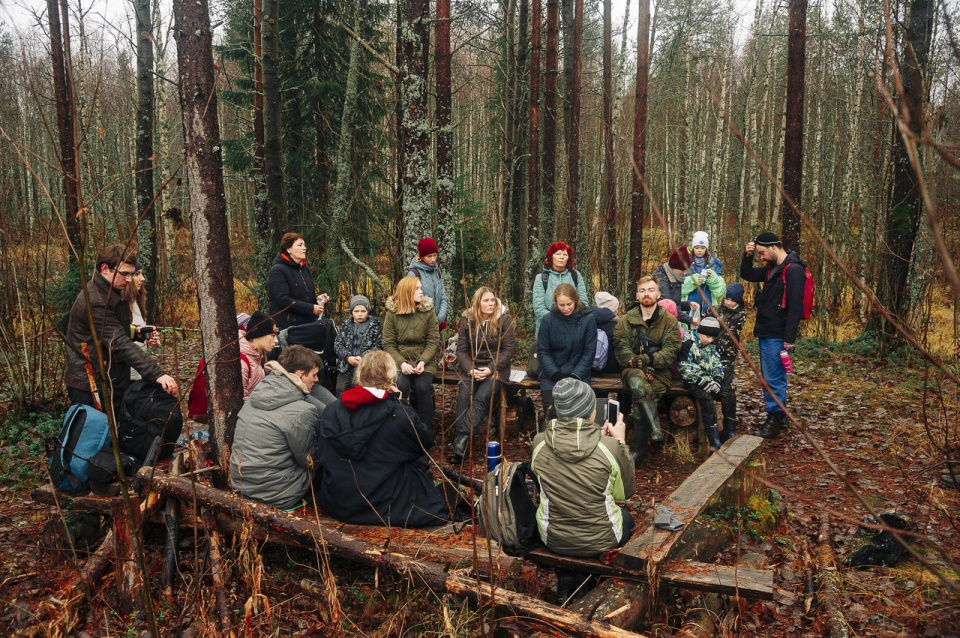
x,y
146,412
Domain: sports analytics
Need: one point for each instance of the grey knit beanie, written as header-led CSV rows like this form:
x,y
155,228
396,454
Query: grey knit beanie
x,y
573,398
359,300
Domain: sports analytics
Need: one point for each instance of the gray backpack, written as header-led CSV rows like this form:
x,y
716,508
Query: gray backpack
x,y
508,512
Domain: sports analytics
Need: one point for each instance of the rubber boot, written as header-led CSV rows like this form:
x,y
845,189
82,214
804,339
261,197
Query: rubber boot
x,y
771,427
648,412
713,437
729,430
639,441
460,444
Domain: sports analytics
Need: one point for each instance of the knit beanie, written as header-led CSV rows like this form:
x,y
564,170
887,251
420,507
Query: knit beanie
x,y
259,325
709,326
700,238
606,300
427,246
359,300
242,320
670,306
573,398
680,259
767,238
735,292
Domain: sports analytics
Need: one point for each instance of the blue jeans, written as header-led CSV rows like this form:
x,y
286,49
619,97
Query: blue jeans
x,y
773,373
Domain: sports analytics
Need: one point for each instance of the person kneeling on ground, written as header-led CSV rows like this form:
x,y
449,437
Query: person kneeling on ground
x,y
583,470
374,468
276,436
702,373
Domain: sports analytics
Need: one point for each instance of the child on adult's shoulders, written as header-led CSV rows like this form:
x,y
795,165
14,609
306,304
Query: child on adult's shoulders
x,y
702,373
704,274
359,334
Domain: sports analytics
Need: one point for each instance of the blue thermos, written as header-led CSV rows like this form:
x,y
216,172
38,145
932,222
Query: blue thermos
x,y
494,457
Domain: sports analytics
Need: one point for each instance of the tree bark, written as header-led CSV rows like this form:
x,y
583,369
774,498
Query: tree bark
x,y
548,221
638,198
446,218
793,134
906,206
146,109
417,202
608,198
534,235
272,106
66,126
572,74
211,237
264,219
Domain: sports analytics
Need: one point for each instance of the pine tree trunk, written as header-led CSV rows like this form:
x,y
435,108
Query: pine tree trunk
x,y
264,219
572,65
548,221
517,235
211,238
534,235
793,135
608,199
272,106
66,127
638,198
417,201
446,219
147,230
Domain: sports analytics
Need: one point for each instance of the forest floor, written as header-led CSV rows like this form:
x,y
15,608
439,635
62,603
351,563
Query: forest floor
x,y
873,420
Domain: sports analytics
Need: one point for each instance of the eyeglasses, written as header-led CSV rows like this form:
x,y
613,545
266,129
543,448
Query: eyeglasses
x,y
125,275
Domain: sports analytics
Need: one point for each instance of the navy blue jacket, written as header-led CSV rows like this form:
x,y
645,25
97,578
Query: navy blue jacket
x,y
566,345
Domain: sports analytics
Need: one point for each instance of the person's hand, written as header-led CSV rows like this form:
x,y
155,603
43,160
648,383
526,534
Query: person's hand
x,y
322,299
649,377
694,306
168,384
787,346
709,386
154,340
556,376
701,279
617,430
420,367
406,368
354,361
750,248
317,310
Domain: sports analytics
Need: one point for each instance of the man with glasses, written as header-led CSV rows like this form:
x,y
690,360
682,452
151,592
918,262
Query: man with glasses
x,y
112,320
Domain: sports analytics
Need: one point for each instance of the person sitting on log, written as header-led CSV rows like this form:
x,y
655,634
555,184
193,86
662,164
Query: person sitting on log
x,y
583,469
276,437
374,468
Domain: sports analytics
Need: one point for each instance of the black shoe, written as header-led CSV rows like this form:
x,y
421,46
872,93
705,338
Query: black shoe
x,y
951,481
460,444
771,427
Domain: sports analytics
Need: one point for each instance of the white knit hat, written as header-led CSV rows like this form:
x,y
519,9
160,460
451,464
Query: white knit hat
x,y
700,238
604,299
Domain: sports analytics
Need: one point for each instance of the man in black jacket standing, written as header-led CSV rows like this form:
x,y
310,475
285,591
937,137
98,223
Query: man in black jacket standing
x,y
777,322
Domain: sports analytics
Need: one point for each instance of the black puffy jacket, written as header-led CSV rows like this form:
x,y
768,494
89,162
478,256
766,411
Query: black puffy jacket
x,y
291,291
773,321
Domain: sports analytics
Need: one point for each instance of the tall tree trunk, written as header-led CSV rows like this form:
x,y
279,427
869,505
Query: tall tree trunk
x,y
211,238
264,219
66,128
638,198
793,135
446,219
272,107
534,234
906,205
608,198
147,230
417,201
572,64
548,221
517,233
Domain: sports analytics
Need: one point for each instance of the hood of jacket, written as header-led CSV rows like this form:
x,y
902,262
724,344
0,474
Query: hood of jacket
x,y
571,438
359,417
284,260
415,264
602,315
278,389
425,306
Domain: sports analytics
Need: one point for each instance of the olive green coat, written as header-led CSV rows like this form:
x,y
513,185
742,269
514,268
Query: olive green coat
x,y
414,337
662,328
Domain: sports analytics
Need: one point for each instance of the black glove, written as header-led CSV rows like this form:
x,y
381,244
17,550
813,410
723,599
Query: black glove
x,y
556,376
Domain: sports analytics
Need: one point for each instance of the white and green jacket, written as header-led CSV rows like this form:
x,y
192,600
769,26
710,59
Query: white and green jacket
x,y
582,474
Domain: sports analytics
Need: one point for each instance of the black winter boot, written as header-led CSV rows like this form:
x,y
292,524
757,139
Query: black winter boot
x,y
460,444
639,440
771,427
648,412
713,437
729,430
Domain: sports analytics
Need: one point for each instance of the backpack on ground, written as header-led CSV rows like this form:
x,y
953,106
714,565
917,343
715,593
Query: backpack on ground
x,y
84,433
197,402
603,351
103,474
807,291
146,412
508,513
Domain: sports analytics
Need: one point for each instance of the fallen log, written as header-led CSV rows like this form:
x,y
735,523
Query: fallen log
x,y
828,593
552,616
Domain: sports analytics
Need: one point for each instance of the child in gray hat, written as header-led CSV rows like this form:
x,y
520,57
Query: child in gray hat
x,y
358,335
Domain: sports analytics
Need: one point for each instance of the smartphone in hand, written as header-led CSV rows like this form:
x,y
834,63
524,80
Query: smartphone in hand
x,y
613,411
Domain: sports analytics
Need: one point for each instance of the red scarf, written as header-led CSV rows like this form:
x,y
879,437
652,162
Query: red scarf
x,y
358,396
303,262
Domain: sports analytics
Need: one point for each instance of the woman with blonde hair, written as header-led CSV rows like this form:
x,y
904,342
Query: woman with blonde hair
x,y
411,337
373,454
485,346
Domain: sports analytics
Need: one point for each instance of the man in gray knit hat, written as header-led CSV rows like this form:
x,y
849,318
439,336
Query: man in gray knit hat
x,y
583,470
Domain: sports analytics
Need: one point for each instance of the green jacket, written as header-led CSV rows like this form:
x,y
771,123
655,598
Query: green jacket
x,y
414,337
661,328
581,475
714,285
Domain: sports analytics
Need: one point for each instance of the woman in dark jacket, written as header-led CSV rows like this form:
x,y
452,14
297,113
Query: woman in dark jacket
x,y
374,468
485,346
566,342
293,298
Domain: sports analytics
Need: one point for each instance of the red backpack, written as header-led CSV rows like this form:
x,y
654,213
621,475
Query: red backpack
x,y
197,403
807,291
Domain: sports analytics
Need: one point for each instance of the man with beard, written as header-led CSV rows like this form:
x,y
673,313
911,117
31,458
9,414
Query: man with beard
x,y
777,322
646,342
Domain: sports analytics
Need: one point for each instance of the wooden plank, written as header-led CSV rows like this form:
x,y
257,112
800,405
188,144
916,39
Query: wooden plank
x,y
687,502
